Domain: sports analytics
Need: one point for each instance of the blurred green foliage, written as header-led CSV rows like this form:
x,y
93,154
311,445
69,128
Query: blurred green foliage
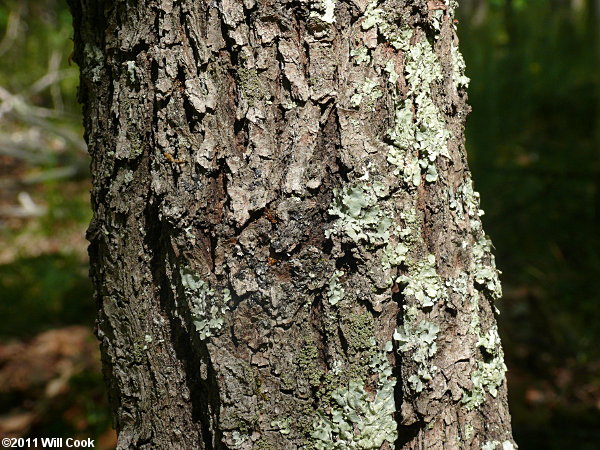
x,y
44,282
534,150
84,399
43,29
52,289
42,292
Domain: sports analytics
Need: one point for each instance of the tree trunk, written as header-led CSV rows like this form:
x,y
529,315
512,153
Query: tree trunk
x,y
286,246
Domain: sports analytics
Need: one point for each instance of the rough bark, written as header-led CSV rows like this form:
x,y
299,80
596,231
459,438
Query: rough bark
x,y
286,246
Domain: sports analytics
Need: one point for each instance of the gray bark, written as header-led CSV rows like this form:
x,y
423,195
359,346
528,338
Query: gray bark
x,y
286,246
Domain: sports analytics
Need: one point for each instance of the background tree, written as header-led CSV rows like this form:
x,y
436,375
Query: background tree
x,y
286,246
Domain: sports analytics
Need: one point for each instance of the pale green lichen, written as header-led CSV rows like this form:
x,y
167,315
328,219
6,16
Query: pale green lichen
x,y
366,220
419,126
379,363
423,130
357,409
206,306
466,202
282,425
468,432
359,216
471,199
131,70
387,25
335,291
147,340
484,268
394,254
360,55
373,16
390,68
418,138
411,219
424,283
422,68
336,367
490,370
493,445
436,21
406,163
417,337
93,61
418,340
459,285
238,438
458,68
359,419
370,90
